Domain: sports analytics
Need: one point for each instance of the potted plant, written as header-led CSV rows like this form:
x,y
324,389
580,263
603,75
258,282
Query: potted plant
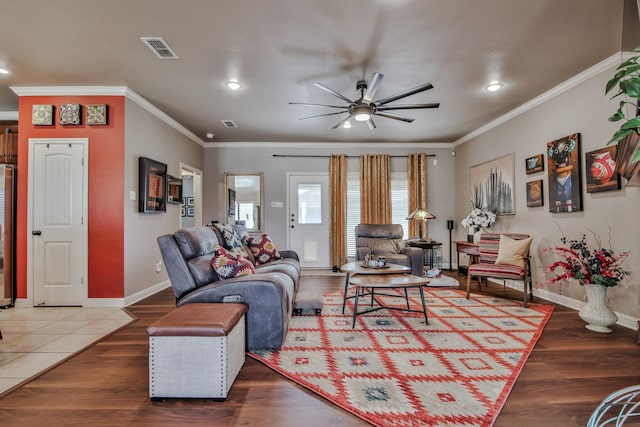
x,y
627,81
476,220
595,269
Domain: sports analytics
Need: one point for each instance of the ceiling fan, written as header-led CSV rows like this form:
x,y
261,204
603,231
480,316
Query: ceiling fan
x,y
364,108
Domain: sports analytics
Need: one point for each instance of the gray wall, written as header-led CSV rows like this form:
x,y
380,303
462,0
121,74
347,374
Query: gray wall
x,y
584,109
258,159
148,136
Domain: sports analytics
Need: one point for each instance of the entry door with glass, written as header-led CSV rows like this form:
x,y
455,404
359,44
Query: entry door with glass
x,y
309,219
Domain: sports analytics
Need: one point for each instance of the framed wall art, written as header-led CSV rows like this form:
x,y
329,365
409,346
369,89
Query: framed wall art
x,y
601,170
534,164
42,115
96,114
491,185
69,114
535,196
174,190
564,171
152,185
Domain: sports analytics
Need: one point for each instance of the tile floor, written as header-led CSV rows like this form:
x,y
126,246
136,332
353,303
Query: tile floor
x,y
33,339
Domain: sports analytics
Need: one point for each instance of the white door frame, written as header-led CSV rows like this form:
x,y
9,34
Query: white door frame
x,y
197,193
85,213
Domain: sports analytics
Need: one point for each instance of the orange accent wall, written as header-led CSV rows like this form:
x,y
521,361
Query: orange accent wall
x,y
106,189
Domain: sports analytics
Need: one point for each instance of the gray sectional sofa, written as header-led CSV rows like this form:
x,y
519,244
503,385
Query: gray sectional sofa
x,y
268,294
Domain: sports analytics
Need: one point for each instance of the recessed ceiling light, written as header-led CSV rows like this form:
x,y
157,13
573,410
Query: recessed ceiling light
x,y
494,86
233,85
4,71
347,125
209,135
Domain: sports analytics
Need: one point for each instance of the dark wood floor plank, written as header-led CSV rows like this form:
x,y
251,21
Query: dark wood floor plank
x,y
567,375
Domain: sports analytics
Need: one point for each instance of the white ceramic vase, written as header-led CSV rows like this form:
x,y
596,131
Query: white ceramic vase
x,y
596,313
476,235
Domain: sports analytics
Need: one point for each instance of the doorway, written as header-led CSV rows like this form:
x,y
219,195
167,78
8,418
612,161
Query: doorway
x,y
191,209
308,222
57,221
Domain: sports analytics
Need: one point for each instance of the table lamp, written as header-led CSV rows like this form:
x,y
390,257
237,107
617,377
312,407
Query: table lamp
x,y
421,215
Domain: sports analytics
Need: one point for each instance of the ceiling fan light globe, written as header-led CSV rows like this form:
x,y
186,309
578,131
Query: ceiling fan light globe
x,y
362,117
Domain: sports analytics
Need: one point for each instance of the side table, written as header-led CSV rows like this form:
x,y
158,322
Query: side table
x,y
467,248
427,249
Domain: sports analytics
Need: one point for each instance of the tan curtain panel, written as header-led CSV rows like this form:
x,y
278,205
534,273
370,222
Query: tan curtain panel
x,y
375,189
338,220
417,180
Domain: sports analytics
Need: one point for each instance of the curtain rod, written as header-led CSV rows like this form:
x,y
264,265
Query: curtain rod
x,y
324,156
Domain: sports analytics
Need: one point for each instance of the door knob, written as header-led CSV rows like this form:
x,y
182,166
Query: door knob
x,y
36,232
292,226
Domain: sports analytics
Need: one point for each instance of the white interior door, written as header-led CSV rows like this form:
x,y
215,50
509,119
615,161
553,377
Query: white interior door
x,y
58,226
309,219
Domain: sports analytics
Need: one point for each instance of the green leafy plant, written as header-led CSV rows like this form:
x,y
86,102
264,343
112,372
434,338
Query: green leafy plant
x,y
627,80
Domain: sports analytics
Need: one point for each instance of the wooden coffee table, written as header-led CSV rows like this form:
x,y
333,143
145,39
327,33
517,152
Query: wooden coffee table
x,y
356,267
368,284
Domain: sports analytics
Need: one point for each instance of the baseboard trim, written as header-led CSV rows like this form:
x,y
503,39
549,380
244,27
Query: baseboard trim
x,y
624,320
140,295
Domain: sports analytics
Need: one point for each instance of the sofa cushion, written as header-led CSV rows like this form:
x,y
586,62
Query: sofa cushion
x,y
381,246
228,265
263,249
196,241
231,238
512,251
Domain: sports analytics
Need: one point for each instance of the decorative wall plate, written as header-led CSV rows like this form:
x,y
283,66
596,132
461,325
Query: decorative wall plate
x,y
42,115
69,114
96,114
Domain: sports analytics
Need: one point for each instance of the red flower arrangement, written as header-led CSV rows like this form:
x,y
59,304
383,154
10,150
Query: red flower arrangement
x,y
599,266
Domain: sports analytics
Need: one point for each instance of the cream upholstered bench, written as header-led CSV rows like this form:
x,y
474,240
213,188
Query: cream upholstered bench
x,y
196,350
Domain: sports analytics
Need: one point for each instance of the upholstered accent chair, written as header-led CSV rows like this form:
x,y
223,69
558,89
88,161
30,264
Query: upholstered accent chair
x,y
386,240
503,256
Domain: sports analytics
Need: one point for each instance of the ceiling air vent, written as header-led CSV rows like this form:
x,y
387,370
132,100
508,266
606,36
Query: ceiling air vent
x,y
159,47
229,123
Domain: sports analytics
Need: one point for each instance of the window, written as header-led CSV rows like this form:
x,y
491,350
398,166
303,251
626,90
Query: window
x,y
310,203
399,206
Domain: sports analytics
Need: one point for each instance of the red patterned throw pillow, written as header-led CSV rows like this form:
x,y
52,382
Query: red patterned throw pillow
x,y
263,249
228,265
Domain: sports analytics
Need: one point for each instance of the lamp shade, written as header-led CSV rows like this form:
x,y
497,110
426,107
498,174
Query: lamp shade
x,y
421,214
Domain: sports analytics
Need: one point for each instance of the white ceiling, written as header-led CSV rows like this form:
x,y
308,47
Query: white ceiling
x,y
277,49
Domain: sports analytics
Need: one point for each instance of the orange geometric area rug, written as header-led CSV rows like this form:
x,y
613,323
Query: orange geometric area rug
x,y
394,370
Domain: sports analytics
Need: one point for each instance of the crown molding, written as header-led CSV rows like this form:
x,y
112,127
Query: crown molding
x,y
9,115
345,145
69,90
135,97
106,91
551,93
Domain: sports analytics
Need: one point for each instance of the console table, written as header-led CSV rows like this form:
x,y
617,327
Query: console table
x,y
467,248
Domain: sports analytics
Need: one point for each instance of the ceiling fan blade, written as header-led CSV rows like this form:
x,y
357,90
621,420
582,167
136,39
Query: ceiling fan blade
x,y
372,87
370,123
409,106
395,117
333,92
404,94
317,105
322,115
341,122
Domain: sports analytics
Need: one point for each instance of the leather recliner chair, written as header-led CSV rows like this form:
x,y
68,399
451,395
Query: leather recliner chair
x,y
386,240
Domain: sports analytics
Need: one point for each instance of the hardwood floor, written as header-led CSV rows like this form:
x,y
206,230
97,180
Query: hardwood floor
x,y
567,375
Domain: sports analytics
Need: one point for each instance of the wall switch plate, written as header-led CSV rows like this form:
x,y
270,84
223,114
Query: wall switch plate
x,y
276,204
132,195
